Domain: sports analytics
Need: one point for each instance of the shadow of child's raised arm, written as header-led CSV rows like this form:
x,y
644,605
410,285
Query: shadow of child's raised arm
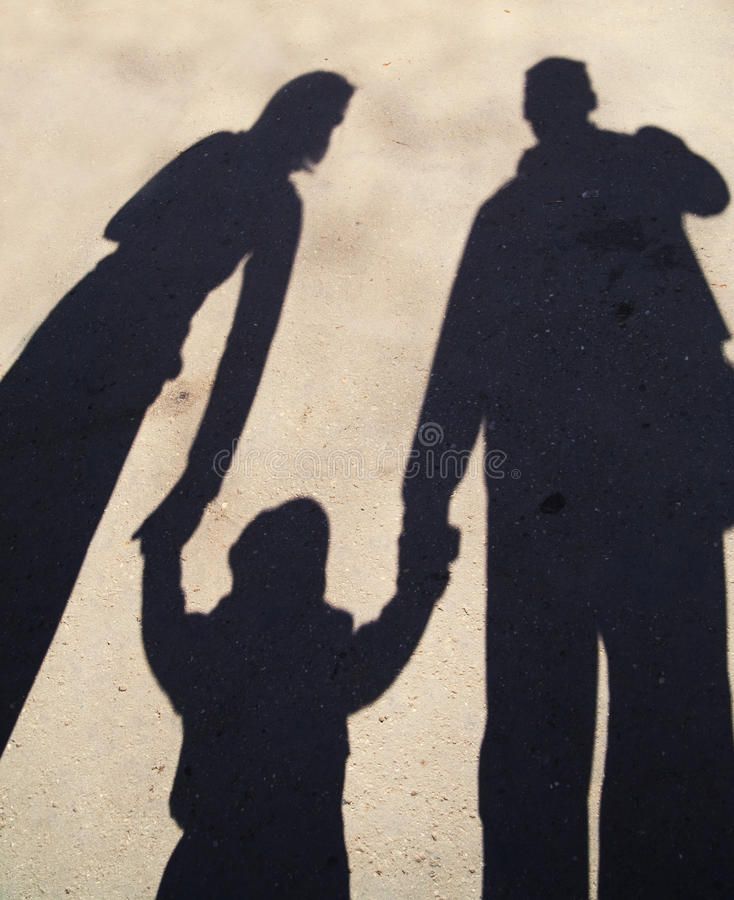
x,y
164,616
380,649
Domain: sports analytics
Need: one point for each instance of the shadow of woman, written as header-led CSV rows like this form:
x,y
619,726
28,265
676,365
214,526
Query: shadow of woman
x,y
264,685
582,338
73,401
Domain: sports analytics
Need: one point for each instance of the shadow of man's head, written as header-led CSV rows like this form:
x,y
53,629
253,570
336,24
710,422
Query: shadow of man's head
x,y
558,97
295,127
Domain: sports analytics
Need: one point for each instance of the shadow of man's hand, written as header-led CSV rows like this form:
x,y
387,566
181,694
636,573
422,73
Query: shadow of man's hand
x,y
424,559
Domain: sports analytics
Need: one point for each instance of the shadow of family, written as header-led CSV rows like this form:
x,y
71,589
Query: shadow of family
x,y
580,338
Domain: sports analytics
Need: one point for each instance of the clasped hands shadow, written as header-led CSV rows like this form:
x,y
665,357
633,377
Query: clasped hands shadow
x,y
580,338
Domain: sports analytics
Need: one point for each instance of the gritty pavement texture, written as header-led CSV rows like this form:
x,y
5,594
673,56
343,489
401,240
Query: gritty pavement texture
x,y
98,97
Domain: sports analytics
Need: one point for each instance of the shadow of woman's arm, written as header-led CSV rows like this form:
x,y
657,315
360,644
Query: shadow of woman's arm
x,y
213,452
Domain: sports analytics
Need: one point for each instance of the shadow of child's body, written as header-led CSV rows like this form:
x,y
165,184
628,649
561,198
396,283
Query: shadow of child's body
x,y
264,685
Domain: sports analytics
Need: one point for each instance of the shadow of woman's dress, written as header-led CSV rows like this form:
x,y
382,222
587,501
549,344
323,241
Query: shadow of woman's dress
x,y
74,400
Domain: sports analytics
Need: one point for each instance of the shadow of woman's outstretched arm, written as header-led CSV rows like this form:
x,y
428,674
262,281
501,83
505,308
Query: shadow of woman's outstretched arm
x,y
240,370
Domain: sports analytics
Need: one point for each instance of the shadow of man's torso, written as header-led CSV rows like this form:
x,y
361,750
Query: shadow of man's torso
x,y
600,339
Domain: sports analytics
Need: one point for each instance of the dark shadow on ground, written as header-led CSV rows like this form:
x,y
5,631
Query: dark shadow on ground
x,y
264,685
582,340
74,400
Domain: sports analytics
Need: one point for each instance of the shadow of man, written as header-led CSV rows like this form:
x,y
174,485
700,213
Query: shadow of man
x,y
264,685
74,400
582,339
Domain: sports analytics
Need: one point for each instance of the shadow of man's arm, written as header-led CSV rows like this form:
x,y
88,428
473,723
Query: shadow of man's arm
x,y
447,430
690,179
451,416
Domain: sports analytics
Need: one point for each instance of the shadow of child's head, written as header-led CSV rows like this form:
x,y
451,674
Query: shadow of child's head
x,y
279,561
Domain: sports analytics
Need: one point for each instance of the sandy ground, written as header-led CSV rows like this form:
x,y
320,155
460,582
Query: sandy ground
x,y
97,97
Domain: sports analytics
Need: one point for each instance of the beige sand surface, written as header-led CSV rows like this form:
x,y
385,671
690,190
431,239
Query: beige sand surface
x,y
97,96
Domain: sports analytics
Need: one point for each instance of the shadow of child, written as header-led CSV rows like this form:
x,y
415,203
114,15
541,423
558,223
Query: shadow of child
x,y
264,685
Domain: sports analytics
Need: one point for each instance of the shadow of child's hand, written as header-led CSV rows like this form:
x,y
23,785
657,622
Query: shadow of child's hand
x,y
169,526
424,558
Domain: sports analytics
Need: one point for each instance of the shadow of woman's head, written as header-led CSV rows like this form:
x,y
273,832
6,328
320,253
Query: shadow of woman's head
x,y
558,97
295,127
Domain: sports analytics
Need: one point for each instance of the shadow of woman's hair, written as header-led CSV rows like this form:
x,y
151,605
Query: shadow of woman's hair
x,y
298,120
